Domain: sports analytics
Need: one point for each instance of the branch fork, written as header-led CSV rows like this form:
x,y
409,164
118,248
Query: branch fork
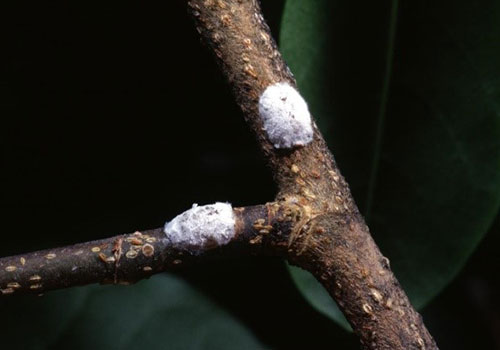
x,y
313,222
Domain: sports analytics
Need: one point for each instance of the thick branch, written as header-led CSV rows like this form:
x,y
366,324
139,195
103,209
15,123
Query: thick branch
x,y
314,222
332,240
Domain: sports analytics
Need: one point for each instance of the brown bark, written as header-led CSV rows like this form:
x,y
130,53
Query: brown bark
x,y
119,260
127,258
331,240
314,222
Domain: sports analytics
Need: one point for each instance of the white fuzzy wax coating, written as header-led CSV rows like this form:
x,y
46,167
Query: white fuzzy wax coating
x,y
202,226
285,116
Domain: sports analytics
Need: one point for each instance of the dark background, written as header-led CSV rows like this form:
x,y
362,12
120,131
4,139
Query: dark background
x,y
115,118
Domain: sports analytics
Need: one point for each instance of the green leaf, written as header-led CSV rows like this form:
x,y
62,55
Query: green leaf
x,y
317,295
161,313
409,101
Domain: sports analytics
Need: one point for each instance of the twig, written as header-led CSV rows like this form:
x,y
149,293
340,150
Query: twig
x,y
314,222
127,258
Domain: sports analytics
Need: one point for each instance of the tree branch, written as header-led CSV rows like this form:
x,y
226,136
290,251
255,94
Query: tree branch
x,y
332,241
125,259
119,260
314,222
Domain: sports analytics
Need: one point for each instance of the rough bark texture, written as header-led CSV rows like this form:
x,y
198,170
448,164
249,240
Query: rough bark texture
x,y
331,239
125,259
120,260
314,222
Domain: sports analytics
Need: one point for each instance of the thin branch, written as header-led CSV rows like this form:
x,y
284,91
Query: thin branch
x,y
119,260
127,258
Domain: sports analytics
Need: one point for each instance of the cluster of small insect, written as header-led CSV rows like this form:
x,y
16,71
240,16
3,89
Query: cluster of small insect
x,y
34,280
138,243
